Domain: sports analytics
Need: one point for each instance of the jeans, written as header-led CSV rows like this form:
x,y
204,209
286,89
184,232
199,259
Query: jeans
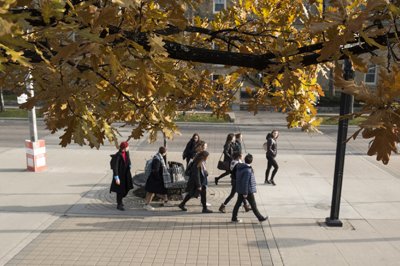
x,y
232,194
271,162
252,202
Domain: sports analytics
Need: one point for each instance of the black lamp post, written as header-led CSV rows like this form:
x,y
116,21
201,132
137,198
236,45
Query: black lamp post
x,y
345,106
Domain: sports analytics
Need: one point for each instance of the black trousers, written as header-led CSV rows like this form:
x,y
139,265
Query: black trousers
x,y
119,198
203,197
252,202
232,194
223,174
271,163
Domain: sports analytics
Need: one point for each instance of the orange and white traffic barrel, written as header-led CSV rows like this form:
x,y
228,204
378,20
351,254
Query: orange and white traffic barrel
x,y
35,155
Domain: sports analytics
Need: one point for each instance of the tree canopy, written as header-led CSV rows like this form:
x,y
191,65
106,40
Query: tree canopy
x,y
97,62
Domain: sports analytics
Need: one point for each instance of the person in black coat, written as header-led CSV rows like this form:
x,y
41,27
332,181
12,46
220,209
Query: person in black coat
x,y
237,147
197,182
122,177
228,155
155,182
190,152
272,151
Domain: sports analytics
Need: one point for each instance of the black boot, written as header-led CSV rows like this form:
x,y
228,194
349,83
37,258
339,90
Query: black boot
x,y
206,210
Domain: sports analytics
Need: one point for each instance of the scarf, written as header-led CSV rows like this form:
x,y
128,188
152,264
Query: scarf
x,y
165,172
123,153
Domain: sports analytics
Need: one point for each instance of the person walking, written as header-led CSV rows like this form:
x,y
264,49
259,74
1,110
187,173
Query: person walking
x,y
228,153
122,177
272,150
189,152
155,182
201,145
237,159
238,146
246,187
197,182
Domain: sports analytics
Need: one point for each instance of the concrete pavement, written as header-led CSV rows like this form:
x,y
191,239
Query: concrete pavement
x,y
66,215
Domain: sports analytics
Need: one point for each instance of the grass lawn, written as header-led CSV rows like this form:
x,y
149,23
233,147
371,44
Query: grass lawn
x,y
202,117
9,98
18,113
329,120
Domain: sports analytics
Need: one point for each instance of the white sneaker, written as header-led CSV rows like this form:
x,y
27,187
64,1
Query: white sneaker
x,y
148,207
236,221
208,204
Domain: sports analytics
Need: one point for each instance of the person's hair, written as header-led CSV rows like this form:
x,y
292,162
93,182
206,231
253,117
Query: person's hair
x,y
194,135
238,135
123,145
269,135
199,146
200,157
248,159
229,137
162,150
236,155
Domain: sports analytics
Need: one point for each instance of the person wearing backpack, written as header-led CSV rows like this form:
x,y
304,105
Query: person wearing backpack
x,y
122,177
197,182
155,181
189,152
237,159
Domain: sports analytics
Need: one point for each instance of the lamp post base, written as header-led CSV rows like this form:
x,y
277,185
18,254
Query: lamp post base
x,y
333,222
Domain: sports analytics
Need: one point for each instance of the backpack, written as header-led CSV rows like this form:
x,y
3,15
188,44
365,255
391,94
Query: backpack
x,y
113,161
147,167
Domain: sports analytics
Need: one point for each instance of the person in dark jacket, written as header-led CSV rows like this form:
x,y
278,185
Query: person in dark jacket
x,y
122,177
238,146
189,152
155,182
237,159
228,153
197,182
272,150
246,187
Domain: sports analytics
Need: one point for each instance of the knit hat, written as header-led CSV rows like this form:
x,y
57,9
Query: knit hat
x,y
123,145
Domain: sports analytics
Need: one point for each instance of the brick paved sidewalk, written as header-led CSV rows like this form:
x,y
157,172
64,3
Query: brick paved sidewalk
x,y
147,241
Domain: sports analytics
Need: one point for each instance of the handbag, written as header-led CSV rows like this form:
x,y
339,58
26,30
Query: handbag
x,y
222,165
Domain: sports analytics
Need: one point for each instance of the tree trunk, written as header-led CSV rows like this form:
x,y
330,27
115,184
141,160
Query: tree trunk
x,y
2,108
331,88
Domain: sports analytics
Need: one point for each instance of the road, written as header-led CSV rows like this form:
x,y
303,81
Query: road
x,y
254,129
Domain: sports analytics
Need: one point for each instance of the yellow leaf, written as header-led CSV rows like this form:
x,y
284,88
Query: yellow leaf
x,y
394,9
371,41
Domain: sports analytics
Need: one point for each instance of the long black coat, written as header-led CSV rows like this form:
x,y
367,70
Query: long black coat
x,y
123,170
196,179
189,151
155,182
228,152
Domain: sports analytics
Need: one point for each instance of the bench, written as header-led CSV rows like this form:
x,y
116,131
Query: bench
x,y
177,180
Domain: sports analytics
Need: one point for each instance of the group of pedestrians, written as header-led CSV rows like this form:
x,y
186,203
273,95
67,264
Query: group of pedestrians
x,y
243,180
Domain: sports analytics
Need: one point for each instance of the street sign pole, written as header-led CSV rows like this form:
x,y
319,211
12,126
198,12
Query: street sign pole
x,y
32,113
345,106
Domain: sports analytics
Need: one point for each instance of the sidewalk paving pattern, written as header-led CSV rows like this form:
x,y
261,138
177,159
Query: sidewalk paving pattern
x,y
146,241
66,215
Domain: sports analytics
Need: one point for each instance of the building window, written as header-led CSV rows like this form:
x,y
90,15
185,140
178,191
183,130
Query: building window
x,y
370,76
218,5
